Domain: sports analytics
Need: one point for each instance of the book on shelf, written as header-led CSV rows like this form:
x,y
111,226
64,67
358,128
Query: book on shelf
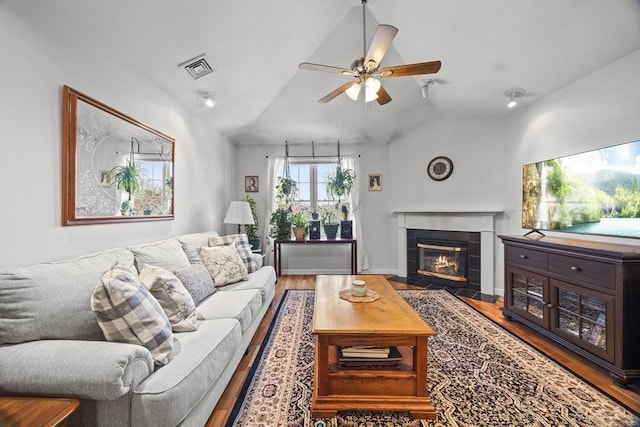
x,y
346,354
369,364
366,349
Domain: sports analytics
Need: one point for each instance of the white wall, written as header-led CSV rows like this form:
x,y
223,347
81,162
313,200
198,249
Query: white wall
x,y
33,68
600,110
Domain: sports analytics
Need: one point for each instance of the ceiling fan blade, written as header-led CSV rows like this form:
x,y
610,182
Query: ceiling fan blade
x,y
411,69
325,68
380,44
383,96
336,92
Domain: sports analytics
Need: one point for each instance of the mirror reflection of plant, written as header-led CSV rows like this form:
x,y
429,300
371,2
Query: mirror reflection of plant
x,y
127,177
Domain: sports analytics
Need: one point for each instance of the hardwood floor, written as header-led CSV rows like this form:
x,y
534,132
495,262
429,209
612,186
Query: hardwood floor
x,y
583,368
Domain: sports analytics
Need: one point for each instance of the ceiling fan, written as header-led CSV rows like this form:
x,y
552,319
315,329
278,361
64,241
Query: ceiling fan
x,y
367,68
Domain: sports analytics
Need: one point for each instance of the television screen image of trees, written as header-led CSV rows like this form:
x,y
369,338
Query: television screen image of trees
x,y
596,192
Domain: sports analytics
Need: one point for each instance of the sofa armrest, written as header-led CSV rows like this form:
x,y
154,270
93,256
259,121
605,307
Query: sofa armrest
x,y
97,370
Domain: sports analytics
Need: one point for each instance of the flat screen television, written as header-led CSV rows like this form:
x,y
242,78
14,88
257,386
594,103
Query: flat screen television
x,y
596,192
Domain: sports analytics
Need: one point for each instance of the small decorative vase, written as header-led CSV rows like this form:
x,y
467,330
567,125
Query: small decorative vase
x,y
359,288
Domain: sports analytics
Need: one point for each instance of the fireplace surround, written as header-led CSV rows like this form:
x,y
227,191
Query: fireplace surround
x,y
480,221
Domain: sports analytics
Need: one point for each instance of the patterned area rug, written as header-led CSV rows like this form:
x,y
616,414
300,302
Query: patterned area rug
x,y
479,375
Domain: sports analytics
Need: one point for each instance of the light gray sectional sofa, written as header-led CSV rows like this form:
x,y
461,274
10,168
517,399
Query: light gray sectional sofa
x,y
52,345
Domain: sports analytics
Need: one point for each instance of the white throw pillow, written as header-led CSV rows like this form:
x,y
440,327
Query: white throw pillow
x,y
242,246
223,263
127,312
174,298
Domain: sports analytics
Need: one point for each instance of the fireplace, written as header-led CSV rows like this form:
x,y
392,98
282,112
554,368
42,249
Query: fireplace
x,y
450,258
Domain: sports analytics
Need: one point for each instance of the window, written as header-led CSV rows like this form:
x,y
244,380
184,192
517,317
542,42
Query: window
x,y
156,187
312,190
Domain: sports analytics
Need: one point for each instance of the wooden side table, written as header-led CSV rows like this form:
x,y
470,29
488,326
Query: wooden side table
x,y
36,411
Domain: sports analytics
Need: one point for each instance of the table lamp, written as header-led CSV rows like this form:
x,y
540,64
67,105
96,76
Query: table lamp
x,y
239,212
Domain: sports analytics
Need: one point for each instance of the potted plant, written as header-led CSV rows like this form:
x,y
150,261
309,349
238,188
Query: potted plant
x,y
339,183
252,230
299,223
286,188
280,224
127,177
329,223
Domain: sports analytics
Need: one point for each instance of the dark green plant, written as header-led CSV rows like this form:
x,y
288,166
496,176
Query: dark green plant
x,y
286,188
127,177
339,182
280,224
252,230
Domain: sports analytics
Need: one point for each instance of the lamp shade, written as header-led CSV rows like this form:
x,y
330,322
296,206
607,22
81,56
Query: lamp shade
x,y
239,212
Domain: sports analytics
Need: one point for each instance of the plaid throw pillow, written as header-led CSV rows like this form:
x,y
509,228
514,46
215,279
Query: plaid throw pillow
x,y
243,247
127,312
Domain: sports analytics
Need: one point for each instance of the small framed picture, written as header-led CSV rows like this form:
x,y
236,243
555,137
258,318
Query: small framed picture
x,y
251,184
375,182
104,178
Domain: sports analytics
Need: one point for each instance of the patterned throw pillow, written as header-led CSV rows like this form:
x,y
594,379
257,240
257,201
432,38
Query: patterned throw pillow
x,y
223,263
127,312
197,280
243,247
174,298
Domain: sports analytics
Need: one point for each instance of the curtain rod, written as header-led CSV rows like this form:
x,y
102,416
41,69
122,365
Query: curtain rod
x,y
313,153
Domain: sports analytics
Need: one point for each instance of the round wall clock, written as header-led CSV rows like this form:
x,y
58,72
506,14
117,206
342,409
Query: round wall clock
x,y
440,168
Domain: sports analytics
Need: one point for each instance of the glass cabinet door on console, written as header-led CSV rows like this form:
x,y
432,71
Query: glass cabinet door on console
x,y
583,317
527,295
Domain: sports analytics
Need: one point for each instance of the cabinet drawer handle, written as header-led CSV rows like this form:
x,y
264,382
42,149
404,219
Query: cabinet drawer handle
x,y
549,305
523,256
573,268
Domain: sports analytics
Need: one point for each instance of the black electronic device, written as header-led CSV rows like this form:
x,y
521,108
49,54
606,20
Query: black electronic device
x,y
346,229
314,229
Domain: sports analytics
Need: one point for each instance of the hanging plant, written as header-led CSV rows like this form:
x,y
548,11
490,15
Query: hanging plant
x,y
286,188
339,182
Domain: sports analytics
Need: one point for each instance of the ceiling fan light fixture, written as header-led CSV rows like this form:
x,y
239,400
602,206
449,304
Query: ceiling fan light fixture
x,y
353,91
372,86
513,94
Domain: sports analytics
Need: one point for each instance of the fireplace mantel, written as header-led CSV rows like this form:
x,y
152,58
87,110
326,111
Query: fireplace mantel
x,y
479,220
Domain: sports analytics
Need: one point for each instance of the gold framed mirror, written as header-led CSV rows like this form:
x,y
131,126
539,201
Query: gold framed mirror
x,y
114,168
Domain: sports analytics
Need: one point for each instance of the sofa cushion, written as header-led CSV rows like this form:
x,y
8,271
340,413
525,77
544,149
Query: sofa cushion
x,y
223,263
197,280
243,306
167,254
197,360
51,300
191,242
127,312
264,280
243,247
173,297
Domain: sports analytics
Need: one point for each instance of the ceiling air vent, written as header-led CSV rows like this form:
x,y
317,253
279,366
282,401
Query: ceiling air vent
x,y
197,67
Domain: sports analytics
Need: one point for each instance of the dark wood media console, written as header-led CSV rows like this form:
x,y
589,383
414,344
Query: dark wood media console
x,y
582,294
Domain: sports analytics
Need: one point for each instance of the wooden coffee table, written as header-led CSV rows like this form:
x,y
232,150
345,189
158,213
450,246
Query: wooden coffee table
x,y
36,411
389,321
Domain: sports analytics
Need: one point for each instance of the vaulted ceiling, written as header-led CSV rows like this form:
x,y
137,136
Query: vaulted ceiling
x,y
255,46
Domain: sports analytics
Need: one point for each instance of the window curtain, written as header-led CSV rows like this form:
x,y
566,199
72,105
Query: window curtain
x,y
275,168
354,199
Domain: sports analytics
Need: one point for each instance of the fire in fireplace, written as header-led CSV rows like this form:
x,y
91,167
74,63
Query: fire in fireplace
x,y
447,262
444,257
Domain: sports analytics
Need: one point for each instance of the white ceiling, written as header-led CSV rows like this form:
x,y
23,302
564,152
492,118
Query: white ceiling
x,y
255,46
